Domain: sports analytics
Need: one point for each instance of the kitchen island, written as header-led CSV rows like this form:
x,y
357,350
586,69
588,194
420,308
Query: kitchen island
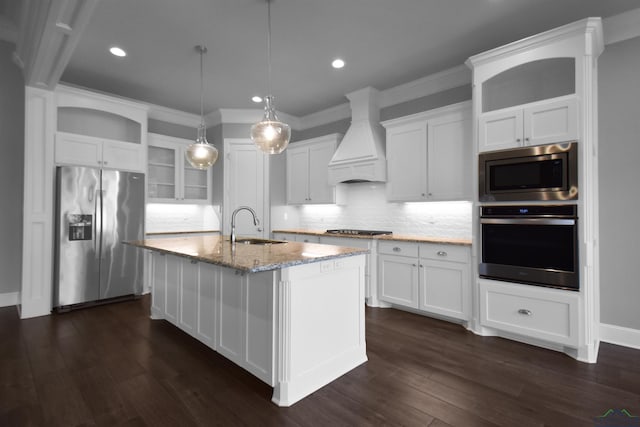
x,y
292,313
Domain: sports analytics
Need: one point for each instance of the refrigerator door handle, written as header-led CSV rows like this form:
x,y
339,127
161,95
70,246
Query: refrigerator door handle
x,y
97,215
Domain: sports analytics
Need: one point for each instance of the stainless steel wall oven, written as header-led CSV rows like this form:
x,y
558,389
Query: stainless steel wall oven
x,y
532,244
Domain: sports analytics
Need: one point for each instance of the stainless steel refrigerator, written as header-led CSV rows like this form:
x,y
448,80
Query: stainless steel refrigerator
x,y
97,210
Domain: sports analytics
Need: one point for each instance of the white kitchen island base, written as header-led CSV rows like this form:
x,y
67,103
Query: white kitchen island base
x,y
296,328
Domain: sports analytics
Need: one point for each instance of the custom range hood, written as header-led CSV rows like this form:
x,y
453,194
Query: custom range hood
x,y
360,155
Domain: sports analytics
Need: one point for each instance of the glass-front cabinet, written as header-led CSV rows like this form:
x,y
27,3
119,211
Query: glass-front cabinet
x,y
171,179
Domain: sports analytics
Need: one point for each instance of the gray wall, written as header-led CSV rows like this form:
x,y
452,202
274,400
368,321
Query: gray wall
x,y
619,161
11,170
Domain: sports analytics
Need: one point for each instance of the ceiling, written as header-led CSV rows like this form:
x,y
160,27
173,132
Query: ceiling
x,y
384,43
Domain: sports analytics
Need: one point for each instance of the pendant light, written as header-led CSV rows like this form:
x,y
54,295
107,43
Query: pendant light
x,y
201,154
270,135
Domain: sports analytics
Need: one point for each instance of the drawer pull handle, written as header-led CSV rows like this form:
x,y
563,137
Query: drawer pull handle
x,y
525,312
396,249
441,253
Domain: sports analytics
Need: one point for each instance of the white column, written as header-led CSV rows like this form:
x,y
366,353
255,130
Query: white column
x,y
39,177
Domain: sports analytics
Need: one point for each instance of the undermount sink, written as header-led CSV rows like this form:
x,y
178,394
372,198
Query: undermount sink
x,y
256,241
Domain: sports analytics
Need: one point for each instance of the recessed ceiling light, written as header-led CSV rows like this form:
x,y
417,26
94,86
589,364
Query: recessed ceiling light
x,y
337,63
256,99
115,50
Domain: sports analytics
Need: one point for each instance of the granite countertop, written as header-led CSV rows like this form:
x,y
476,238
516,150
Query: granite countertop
x,y
396,237
162,233
216,249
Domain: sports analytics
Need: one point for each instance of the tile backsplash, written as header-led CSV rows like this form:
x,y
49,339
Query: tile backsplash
x,y
366,207
167,217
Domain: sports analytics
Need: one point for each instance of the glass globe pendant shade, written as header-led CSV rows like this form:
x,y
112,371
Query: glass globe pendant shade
x,y
270,135
201,154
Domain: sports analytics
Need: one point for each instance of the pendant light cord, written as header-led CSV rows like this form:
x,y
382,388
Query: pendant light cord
x,y
202,51
269,47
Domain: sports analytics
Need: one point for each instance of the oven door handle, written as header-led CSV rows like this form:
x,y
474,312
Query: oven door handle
x,y
528,221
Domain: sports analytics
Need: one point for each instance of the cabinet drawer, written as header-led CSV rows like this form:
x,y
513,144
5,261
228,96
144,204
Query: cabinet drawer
x,y
444,252
539,313
398,248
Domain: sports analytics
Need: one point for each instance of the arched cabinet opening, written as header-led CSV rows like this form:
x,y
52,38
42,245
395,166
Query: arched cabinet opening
x,y
529,82
98,124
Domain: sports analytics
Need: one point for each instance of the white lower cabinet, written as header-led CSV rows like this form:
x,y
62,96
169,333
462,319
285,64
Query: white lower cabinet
x,y
229,311
540,313
370,273
293,237
434,278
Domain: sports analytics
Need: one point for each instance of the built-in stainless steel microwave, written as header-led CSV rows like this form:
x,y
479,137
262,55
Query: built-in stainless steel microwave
x,y
542,172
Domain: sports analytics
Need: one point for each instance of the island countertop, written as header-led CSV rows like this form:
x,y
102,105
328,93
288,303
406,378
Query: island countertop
x,y
216,249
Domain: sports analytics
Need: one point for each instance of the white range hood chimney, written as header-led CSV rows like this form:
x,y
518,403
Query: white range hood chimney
x,y
360,156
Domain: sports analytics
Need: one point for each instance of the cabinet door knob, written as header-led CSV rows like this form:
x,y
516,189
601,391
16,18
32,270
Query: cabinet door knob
x,y
415,265
527,139
396,249
525,312
517,139
441,253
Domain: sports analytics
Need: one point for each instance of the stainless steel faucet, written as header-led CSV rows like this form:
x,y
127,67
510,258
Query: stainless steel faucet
x,y
233,221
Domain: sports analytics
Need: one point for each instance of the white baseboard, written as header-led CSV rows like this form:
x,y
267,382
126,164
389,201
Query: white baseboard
x,y
620,335
9,298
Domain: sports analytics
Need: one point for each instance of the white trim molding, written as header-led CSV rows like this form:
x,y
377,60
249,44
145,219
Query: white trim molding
x,y
9,298
620,335
621,27
425,86
170,115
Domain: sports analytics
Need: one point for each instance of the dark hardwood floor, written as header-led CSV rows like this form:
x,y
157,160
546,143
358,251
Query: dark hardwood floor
x,y
112,365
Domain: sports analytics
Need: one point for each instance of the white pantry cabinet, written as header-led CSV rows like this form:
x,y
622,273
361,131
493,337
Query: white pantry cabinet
x,y
171,179
433,278
429,155
307,170
82,150
542,122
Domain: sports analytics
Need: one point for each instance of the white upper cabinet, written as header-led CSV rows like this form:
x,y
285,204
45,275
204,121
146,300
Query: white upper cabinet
x,y
539,123
307,170
429,155
171,179
82,150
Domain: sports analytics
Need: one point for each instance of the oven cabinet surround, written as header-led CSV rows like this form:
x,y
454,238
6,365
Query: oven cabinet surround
x,y
171,179
307,170
274,324
568,114
431,278
548,315
429,155
543,122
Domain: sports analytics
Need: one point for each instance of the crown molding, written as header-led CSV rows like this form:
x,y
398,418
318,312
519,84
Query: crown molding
x,y
621,27
329,115
425,86
170,115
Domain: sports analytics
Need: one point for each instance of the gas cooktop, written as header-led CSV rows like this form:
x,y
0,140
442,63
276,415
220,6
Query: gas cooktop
x,y
358,232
